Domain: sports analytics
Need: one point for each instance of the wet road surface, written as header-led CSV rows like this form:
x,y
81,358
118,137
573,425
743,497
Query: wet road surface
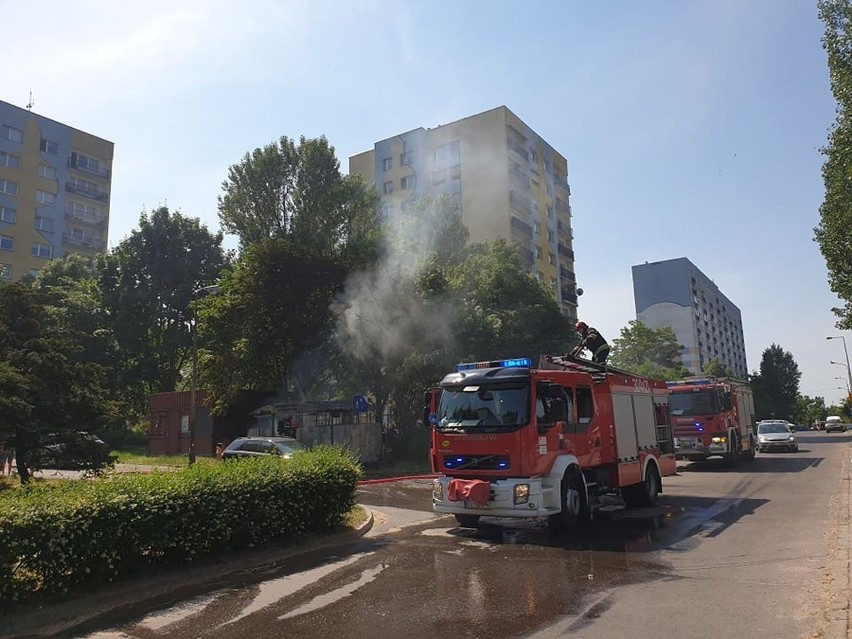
x,y
720,539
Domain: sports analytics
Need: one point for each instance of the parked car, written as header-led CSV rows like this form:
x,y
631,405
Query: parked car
x,y
78,450
775,435
255,446
834,424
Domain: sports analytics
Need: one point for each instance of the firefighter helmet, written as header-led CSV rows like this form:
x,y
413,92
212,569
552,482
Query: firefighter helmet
x,y
580,327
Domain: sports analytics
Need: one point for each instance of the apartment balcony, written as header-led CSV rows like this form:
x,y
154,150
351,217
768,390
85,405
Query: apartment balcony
x,y
562,206
93,244
75,164
521,180
527,256
92,220
519,202
565,251
567,274
569,295
518,149
92,194
564,228
522,227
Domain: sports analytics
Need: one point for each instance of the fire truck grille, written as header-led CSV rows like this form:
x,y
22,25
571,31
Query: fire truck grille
x,y
476,462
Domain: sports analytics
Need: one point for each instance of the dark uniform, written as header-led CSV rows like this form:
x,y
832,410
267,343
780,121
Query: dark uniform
x,y
593,341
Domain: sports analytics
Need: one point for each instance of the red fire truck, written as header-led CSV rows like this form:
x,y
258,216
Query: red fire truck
x,y
512,440
712,416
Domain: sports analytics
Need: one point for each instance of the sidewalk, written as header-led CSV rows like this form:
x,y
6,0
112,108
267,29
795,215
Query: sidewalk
x,y
166,586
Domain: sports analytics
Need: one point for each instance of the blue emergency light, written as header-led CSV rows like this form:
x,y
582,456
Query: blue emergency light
x,y
521,362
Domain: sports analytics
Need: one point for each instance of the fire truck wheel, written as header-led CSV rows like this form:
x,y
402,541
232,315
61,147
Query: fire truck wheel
x,y
644,494
575,510
467,521
749,455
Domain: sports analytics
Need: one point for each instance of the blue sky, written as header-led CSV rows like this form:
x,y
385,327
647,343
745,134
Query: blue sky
x,y
692,129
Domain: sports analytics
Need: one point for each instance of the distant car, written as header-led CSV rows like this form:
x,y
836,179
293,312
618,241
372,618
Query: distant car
x,y
834,424
775,435
243,447
78,450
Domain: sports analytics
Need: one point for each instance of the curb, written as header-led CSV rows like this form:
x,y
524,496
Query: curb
x,y
114,604
385,480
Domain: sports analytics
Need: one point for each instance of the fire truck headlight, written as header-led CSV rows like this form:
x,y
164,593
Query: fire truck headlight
x,y
791,438
437,491
522,493
719,440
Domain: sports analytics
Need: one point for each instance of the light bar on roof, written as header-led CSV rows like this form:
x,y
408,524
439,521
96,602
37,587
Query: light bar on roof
x,y
520,362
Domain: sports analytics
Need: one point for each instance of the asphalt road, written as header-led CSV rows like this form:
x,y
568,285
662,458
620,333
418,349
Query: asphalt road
x,y
757,551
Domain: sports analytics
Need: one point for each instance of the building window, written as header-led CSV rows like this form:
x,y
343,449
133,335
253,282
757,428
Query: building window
x,y
13,134
12,161
46,171
406,159
546,166
537,228
533,156
49,146
387,188
41,250
408,206
34,272
7,243
549,235
43,223
8,215
5,271
387,210
387,164
551,259
447,152
43,197
85,212
407,182
439,176
9,188
455,172
86,163
538,252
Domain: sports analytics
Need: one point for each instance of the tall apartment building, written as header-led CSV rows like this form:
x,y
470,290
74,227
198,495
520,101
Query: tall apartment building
x,y
509,182
54,191
676,294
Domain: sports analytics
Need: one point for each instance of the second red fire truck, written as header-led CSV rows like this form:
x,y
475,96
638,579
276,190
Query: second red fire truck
x,y
712,417
510,439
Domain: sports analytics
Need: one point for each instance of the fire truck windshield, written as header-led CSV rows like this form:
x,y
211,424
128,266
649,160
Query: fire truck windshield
x,y
481,407
692,403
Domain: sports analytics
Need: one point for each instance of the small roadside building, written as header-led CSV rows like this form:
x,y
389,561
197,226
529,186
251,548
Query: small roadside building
x,y
331,422
339,423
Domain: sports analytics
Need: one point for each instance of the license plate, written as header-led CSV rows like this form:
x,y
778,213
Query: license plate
x,y
474,505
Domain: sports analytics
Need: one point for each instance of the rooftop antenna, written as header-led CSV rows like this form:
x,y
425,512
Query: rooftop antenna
x,y
30,103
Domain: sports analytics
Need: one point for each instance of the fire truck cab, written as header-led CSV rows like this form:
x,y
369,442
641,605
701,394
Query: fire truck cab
x,y
712,417
513,440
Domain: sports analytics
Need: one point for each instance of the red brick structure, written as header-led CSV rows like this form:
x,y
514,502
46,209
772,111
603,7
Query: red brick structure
x,y
168,429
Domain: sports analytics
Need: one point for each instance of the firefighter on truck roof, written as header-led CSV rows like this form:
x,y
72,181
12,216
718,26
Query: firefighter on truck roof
x,y
592,340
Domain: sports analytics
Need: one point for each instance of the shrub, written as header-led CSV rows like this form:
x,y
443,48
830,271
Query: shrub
x,y
54,537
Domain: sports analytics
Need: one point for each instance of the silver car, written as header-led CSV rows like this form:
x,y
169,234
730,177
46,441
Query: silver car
x,y
775,435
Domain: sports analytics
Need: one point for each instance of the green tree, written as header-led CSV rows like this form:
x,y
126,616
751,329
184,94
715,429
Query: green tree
x,y
715,368
47,387
274,309
147,284
776,387
651,352
833,234
296,191
809,409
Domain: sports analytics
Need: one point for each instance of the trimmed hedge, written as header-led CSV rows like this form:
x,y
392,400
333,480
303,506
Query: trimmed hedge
x,y
54,537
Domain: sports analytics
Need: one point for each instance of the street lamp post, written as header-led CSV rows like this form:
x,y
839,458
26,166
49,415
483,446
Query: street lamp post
x,y
843,379
193,402
846,352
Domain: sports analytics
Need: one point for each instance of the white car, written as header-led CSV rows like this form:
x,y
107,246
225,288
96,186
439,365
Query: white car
x,y
775,435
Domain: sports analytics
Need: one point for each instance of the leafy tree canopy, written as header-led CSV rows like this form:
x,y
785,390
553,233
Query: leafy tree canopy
x,y
776,387
295,191
833,233
47,387
147,283
651,352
